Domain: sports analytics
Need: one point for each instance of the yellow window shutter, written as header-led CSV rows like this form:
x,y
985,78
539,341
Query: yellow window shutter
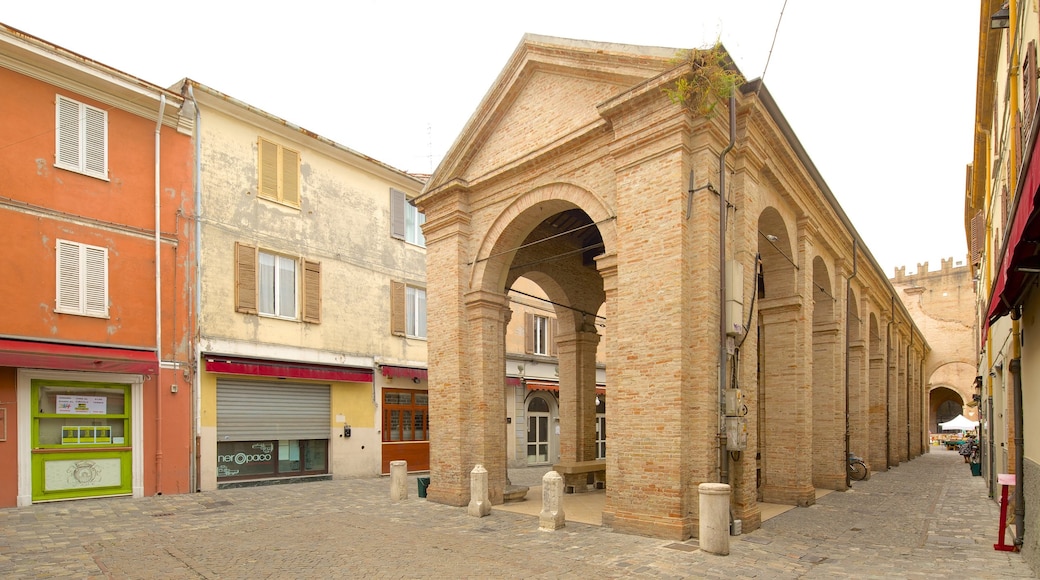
x,y
268,163
398,309
290,176
245,278
311,291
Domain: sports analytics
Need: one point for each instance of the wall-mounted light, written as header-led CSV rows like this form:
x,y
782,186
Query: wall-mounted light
x,y
415,380
1000,19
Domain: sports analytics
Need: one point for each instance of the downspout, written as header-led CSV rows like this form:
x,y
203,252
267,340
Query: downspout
x,y
848,341
197,363
158,309
723,455
1015,366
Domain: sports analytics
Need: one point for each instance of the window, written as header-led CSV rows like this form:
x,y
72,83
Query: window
x,y
540,334
82,279
268,283
405,219
407,310
81,138
279,173
405,416
263,459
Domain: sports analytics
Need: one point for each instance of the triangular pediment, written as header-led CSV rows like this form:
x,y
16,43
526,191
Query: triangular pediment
x,y
548,93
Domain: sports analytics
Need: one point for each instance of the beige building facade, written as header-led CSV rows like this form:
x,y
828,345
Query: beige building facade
x,y
310,362
1002,228
753,340
942,304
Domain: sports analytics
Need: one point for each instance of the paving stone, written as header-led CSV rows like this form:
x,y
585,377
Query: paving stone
x,y
926,518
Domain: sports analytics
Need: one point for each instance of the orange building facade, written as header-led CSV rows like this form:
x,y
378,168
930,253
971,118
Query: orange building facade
x,y
97,210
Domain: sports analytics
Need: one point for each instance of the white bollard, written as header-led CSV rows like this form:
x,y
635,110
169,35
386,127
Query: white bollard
x,y
479,504
552,517
713,527
398,480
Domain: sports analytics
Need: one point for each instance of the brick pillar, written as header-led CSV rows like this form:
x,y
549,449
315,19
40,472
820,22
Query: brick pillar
x,y
485,434
859,406
876,416
828,402
577,359
607,266
785,406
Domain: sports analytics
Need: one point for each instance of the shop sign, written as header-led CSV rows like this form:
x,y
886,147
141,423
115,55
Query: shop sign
x,y
81,405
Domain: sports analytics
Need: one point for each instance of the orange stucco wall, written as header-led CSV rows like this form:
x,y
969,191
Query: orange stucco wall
x,y
40,204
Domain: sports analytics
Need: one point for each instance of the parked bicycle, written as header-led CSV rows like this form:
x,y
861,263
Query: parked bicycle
x,y
857,469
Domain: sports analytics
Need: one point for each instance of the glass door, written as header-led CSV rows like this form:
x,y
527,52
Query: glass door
x,y
537,431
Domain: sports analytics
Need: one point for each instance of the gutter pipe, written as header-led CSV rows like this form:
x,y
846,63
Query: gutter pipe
x,y
723,456
158,308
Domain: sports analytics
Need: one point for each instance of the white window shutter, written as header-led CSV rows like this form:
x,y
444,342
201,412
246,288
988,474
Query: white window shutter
x,y
96,281
68,290
67,134
95,151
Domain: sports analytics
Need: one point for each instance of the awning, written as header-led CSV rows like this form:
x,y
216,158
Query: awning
x,y
513,381
295,370
50,355
539,385
406,372
1022,242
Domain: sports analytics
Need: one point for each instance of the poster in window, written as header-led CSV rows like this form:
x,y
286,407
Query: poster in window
x,y
81,405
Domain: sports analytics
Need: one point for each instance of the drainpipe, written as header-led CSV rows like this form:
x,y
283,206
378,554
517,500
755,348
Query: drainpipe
x,y
158,310
848,336
196,401
723,455
1015,366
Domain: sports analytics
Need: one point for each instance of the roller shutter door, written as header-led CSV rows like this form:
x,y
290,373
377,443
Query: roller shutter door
x,y
248,411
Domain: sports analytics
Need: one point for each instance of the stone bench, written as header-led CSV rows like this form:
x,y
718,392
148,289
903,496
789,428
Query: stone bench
x,y
577,475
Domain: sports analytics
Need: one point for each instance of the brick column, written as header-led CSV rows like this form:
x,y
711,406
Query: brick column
x,y
828,405
577,359
487,314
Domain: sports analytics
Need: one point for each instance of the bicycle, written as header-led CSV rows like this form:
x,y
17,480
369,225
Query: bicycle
x,y
856,468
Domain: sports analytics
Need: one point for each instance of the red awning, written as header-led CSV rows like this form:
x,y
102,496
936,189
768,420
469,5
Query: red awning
x,y
406,372
294,370
537,385
49,355
1022,242
513,381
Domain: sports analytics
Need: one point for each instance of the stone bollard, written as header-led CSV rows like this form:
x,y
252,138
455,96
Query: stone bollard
x,y
714,518
552,517
479,504
398,480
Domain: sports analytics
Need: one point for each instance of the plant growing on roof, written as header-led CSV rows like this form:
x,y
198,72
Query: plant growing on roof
x,y
712,80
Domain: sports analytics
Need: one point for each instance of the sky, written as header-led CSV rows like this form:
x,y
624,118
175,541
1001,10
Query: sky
x,y
881,94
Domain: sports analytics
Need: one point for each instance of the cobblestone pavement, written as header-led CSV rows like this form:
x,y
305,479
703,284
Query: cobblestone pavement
x,y
927,518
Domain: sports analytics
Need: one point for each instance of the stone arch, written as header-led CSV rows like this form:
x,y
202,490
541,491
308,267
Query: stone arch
x,y
944,403
782,477
956,376
828,401
512,226
775,249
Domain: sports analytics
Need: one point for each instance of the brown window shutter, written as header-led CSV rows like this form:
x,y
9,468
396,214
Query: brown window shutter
x,y
551,339
290,176
398,309
1029,84
397,209
268,163
311,291
245,278
529,332
978,233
